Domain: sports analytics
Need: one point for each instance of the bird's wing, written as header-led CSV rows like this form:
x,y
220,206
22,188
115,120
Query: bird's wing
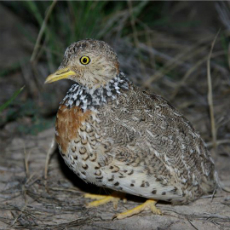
x,y
145,129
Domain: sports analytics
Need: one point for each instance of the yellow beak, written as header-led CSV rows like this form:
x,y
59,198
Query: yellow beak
x,y
60,74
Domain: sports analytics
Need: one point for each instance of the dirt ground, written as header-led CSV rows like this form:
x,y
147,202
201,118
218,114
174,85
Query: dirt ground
x,y
27,201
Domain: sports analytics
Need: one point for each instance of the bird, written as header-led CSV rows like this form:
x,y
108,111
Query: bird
x,y
115,135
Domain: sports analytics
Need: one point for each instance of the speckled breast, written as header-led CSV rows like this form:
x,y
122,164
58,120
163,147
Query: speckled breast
x,y
77,140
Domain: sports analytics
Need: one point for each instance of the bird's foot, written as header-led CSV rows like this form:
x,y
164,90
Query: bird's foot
x,y
115,197
149,204
103,199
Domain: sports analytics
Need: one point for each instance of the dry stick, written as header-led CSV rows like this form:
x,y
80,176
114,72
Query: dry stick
x,y
52,147
135,36
229,55
189,53
190,71
219,142
20,213
26,155
26,159
190,222
210,97
41,32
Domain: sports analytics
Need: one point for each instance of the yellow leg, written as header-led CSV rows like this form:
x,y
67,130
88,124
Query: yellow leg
x,y
103,199
149,204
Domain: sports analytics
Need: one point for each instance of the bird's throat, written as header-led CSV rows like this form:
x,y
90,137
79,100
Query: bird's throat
x,y
85,98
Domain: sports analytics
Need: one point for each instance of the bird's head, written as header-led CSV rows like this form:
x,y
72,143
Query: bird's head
x,y
90,63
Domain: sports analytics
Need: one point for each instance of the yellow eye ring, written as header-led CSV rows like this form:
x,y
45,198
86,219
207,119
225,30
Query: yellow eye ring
x,y
84,60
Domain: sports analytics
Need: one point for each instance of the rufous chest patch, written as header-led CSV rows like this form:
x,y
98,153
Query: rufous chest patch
x,y
68,122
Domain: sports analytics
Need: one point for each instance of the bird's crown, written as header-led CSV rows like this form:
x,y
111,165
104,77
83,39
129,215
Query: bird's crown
x,y
89,62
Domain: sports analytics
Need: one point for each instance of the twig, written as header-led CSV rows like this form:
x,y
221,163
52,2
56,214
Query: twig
x,y
135,35
20,213
52,147
41,32
219,142
210,96
27,155
190,222
132,20
192,70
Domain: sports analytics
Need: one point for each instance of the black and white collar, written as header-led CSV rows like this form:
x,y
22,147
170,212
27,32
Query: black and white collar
x,y
85,98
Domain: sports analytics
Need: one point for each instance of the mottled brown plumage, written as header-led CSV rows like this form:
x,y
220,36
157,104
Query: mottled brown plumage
x,y
115,135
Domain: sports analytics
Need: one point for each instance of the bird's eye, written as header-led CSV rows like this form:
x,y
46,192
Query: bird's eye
x,y
85,60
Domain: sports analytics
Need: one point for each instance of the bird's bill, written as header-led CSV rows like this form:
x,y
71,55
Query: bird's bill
x,y
59,74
